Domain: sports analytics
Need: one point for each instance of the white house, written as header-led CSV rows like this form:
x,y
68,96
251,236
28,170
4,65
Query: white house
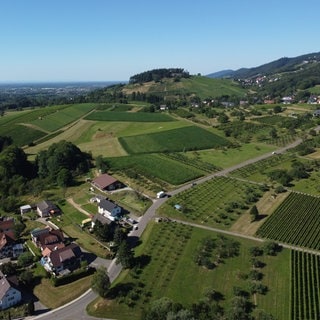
x,y
9,294
109,209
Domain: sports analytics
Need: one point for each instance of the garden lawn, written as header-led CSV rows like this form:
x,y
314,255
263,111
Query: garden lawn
x,y
183,139
54,297
70,223
170,271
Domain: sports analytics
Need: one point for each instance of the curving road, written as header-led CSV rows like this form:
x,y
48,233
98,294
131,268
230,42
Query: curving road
x,y
76,308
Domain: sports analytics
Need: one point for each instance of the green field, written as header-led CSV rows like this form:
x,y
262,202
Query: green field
x,y
184,139
20,134
128,116
169,270
27,126
225,158
62,117
217,202
296,221
155,166
305,281
258,171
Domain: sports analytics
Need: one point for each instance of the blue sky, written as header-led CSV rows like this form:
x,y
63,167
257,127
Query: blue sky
x,y
100,40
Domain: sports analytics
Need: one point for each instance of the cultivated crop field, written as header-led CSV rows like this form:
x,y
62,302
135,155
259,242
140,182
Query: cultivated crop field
x,y
183,139
27,126
257,171
128,116
168,269
296,221
154,167
62,117
217,202
271,120
305,284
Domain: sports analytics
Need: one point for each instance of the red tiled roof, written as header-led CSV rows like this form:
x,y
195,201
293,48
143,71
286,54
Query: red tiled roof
x,y
6,224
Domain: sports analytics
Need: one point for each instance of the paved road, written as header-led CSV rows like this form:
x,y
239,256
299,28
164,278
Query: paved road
x,y
76,309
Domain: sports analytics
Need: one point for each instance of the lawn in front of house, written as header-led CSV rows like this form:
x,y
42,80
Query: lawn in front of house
x,y
54,297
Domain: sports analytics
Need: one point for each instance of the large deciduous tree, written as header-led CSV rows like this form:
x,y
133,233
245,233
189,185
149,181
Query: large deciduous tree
x,y
100,282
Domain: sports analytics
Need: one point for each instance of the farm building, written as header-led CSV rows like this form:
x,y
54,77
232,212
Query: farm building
x,y
109,209
105,182
46,209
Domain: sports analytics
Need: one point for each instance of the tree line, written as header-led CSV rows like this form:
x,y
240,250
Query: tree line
x,y
159,74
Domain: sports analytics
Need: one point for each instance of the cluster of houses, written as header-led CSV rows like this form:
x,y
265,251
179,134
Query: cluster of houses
x,y
58,257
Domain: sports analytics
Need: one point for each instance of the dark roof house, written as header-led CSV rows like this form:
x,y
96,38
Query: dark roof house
x,y
105,182
61,259
46,237
109,209
46,208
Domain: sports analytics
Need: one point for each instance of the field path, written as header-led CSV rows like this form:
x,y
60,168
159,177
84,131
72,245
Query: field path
x,y
32,126
78,207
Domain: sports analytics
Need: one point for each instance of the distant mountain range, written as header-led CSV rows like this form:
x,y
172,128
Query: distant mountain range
x,y
278,66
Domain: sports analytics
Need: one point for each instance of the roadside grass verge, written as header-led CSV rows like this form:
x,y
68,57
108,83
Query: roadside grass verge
x,y
183,139
54,297
169,270
217,202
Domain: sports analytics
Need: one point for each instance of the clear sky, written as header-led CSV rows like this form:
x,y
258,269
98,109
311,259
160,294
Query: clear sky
x,y
100,40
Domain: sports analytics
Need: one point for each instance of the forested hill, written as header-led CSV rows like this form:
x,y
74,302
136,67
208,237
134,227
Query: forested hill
x,y
281,65
159,74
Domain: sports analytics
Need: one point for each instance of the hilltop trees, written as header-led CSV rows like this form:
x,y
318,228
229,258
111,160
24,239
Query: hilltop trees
x,y
158,74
